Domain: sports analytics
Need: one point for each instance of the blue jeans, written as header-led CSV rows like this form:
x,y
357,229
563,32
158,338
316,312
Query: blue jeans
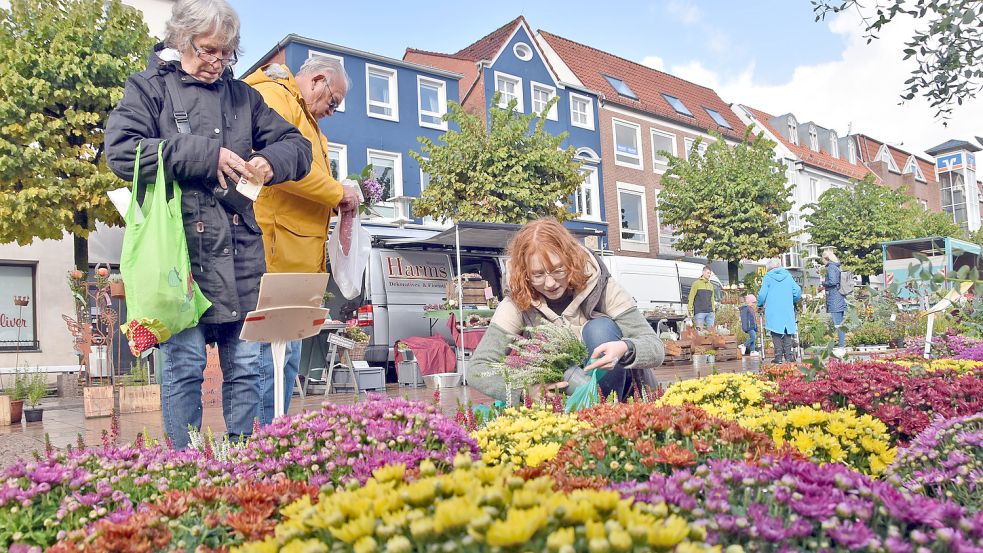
x,y
599,331
752,341
704,320
290,370
838,323
183,374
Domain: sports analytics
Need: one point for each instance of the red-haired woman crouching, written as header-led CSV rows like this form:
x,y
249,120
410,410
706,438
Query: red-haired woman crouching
x,y
552,278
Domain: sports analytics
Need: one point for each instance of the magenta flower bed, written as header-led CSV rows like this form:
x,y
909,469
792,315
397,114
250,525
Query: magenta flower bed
x,y
788,505
344,442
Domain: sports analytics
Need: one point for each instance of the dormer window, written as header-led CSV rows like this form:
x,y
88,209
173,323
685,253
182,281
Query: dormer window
x,y
793,131
813,139
834,146
885,155
851,150
912,167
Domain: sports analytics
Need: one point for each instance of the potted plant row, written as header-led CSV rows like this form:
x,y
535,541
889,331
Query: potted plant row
x,y
137,394
12,400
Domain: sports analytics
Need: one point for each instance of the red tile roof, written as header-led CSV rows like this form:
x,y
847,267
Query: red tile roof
x,y
820,159
590,65
869,147
488,46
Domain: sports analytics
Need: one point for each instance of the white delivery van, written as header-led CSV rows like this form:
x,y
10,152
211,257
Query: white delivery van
x,y
658,282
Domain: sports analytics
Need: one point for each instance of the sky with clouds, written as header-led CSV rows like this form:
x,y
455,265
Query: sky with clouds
x,y
770,54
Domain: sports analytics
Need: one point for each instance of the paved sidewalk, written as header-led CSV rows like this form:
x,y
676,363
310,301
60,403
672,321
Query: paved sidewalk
x,y
64,420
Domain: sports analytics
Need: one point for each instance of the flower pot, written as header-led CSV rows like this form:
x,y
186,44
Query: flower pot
x,y
139,399
16,410
5,411
98,401
33,415
711,359
117,290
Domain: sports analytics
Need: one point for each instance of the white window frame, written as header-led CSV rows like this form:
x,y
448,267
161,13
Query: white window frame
x,y
851,151
834,145
659,166
397,191
671,238
813,138
589,171
793,130
441,102
590,111
339,59
393,105
814,192
636,190
688,146
503,102
342,150
638,141
552,113
428,220
522,46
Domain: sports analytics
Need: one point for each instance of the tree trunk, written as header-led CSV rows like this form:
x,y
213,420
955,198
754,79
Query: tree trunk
x,y
732,270
81,243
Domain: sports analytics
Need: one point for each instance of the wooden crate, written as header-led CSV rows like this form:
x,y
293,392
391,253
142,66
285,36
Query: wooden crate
x,y
98,401
139,399
678,352
719,341
4,410
472,290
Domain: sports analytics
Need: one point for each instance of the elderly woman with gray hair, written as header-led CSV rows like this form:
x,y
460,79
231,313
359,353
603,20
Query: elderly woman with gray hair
x,y
835,300
215,131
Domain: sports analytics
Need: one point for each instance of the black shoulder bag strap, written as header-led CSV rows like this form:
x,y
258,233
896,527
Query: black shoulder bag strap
x,y
180,115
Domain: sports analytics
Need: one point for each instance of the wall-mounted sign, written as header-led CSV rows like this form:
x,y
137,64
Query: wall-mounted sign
x,y
17,308
949,162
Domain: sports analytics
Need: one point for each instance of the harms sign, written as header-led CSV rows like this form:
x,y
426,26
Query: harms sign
x,y
17,308
415,271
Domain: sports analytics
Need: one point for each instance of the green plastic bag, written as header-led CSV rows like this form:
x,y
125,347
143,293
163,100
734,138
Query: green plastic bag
x,y
161,295
585,396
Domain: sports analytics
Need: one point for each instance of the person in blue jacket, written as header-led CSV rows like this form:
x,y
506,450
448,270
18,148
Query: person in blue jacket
x,y
778,294
835,300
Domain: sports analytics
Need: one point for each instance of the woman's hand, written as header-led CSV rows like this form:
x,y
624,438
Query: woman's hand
x,y
230,165
607,354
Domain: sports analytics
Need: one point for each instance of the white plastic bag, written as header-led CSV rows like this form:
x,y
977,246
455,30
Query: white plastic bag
x,y
347,268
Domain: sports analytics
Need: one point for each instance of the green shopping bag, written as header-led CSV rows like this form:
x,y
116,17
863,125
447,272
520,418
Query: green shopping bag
x,y
585,396
162,298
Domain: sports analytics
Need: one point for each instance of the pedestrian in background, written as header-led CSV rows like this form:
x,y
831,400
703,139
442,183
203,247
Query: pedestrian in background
x,y
749,324
778,295
702,304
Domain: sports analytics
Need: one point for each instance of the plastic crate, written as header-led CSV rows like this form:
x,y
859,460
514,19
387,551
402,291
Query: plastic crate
x,y
409,374
369,379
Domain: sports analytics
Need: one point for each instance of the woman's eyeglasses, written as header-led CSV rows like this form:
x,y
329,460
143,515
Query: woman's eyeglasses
x,y
557,275
212,58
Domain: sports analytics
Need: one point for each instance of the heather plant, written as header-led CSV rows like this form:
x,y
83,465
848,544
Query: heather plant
x,y
945,461
339,443
540,356
475,509
789,505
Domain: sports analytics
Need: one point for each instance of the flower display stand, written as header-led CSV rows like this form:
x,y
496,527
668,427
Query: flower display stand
x,y
98,401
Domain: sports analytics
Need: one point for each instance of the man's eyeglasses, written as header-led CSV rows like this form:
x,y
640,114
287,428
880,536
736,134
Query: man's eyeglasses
x,y
332,104
212,58
557,275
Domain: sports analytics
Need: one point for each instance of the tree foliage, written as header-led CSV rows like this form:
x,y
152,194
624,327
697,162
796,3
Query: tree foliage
x,y
856,219
508,171
922,222
62,68
947,45
729,202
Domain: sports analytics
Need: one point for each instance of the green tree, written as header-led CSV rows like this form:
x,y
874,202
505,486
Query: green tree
x,y
62,68
855,220
922,222
508,171
728,203
947,45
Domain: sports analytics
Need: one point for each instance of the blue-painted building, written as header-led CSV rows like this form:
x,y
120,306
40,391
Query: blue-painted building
x,y
391,102
511,60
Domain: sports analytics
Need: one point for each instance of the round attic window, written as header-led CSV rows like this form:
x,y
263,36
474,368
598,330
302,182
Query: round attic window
x,y
522,51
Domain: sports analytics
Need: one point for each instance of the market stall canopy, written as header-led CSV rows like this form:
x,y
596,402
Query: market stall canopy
x,y
490,236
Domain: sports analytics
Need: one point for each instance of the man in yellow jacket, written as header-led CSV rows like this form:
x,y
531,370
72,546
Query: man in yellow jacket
x,y
295,215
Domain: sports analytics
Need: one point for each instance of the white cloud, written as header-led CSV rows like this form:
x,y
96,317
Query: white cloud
x,y
862,88
655,62
685,12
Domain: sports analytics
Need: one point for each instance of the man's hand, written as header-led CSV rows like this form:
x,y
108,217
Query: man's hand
x,y
258,170
349,200
230,165
607,354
